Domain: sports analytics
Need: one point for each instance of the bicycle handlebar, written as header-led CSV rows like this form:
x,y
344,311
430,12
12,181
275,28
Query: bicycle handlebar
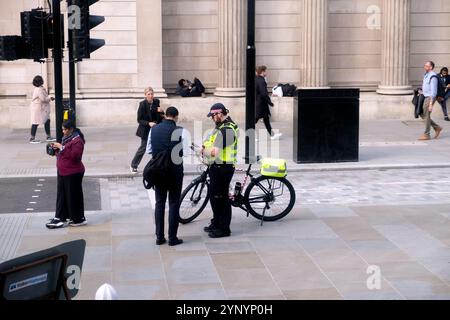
x,y
198,152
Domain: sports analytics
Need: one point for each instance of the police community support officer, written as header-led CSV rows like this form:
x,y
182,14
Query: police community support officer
x,y
221,150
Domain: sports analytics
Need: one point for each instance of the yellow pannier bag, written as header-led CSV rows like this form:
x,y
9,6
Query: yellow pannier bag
x,y
274,168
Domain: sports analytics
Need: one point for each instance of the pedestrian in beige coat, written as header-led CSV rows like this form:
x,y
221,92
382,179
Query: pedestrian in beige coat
x,y
40,110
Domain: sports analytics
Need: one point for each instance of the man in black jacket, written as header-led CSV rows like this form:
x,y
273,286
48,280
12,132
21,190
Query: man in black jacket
x,y
187,89
445,78
149,114
165,137
263,101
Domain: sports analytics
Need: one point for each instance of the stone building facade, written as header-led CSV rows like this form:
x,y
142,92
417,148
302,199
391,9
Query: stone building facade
x,y
376,45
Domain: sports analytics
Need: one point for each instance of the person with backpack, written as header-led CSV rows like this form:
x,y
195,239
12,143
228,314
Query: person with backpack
x,y
430,89
263,101
445,91
168,179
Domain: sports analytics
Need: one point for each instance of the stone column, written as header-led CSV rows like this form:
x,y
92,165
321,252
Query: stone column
x,y
149,45
232,48
395,55
314,44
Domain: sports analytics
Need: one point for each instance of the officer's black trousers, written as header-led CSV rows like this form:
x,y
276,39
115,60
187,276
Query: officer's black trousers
x,y
220,178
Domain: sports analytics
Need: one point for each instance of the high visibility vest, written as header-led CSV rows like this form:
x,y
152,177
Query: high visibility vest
x,y
227,155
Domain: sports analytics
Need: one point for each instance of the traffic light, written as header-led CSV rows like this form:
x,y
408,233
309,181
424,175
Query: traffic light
x,y
81,24
37,32
34,25
13,48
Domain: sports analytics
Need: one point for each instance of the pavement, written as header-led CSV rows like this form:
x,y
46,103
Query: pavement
x,y
108,152
377,229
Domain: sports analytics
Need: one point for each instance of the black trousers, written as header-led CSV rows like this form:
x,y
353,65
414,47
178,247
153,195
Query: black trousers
x,y
34,128
266,120
173,189
69,199
139,153
220,179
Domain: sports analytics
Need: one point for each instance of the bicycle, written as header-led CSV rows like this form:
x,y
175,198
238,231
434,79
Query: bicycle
x,y
260,199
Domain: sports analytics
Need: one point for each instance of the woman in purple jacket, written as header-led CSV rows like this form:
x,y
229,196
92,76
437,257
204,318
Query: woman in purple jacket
x,y
69,201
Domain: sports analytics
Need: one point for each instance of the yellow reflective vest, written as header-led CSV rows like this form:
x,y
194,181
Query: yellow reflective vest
x,y
227,155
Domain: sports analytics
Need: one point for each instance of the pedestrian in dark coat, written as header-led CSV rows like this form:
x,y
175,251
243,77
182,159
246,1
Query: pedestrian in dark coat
x,y
263,101
149,114
164,137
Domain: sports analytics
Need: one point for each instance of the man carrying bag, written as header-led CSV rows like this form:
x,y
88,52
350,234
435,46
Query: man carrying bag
x,y
165,174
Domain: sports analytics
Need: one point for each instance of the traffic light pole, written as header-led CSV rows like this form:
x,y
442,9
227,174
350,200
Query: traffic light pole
x,y
57,62
72,83
250,99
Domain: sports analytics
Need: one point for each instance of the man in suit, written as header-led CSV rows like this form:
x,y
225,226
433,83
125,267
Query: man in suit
x,y
167,136
149,115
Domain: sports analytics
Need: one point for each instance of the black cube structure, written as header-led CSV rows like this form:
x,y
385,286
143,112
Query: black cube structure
x,y
326,126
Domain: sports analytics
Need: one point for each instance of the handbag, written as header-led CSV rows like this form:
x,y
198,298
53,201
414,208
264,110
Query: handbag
x,y
418,101
156,170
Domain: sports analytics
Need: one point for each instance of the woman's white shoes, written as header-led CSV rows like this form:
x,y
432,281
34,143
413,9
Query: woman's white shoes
x,y
276,136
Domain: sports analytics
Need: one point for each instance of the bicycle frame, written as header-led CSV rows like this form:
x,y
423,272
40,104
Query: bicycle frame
x,y
237,201
199,181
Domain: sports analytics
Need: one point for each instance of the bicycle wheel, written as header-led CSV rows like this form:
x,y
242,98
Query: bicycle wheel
x,y
275,195
193,201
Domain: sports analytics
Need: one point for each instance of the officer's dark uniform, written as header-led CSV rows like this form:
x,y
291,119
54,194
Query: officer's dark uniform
x,y
221,172
161,136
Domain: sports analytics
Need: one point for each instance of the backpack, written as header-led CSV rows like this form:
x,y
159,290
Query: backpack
x,y
157,169
441,87
288,89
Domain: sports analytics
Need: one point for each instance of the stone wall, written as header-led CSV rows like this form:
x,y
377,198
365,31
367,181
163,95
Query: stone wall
x,y
190,41
15,113
139,53
354,43
113,68
278,36
430,36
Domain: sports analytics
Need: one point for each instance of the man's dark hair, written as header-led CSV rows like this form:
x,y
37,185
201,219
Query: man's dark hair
x,y
181,82
172,112
38,81
445,69
432,64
